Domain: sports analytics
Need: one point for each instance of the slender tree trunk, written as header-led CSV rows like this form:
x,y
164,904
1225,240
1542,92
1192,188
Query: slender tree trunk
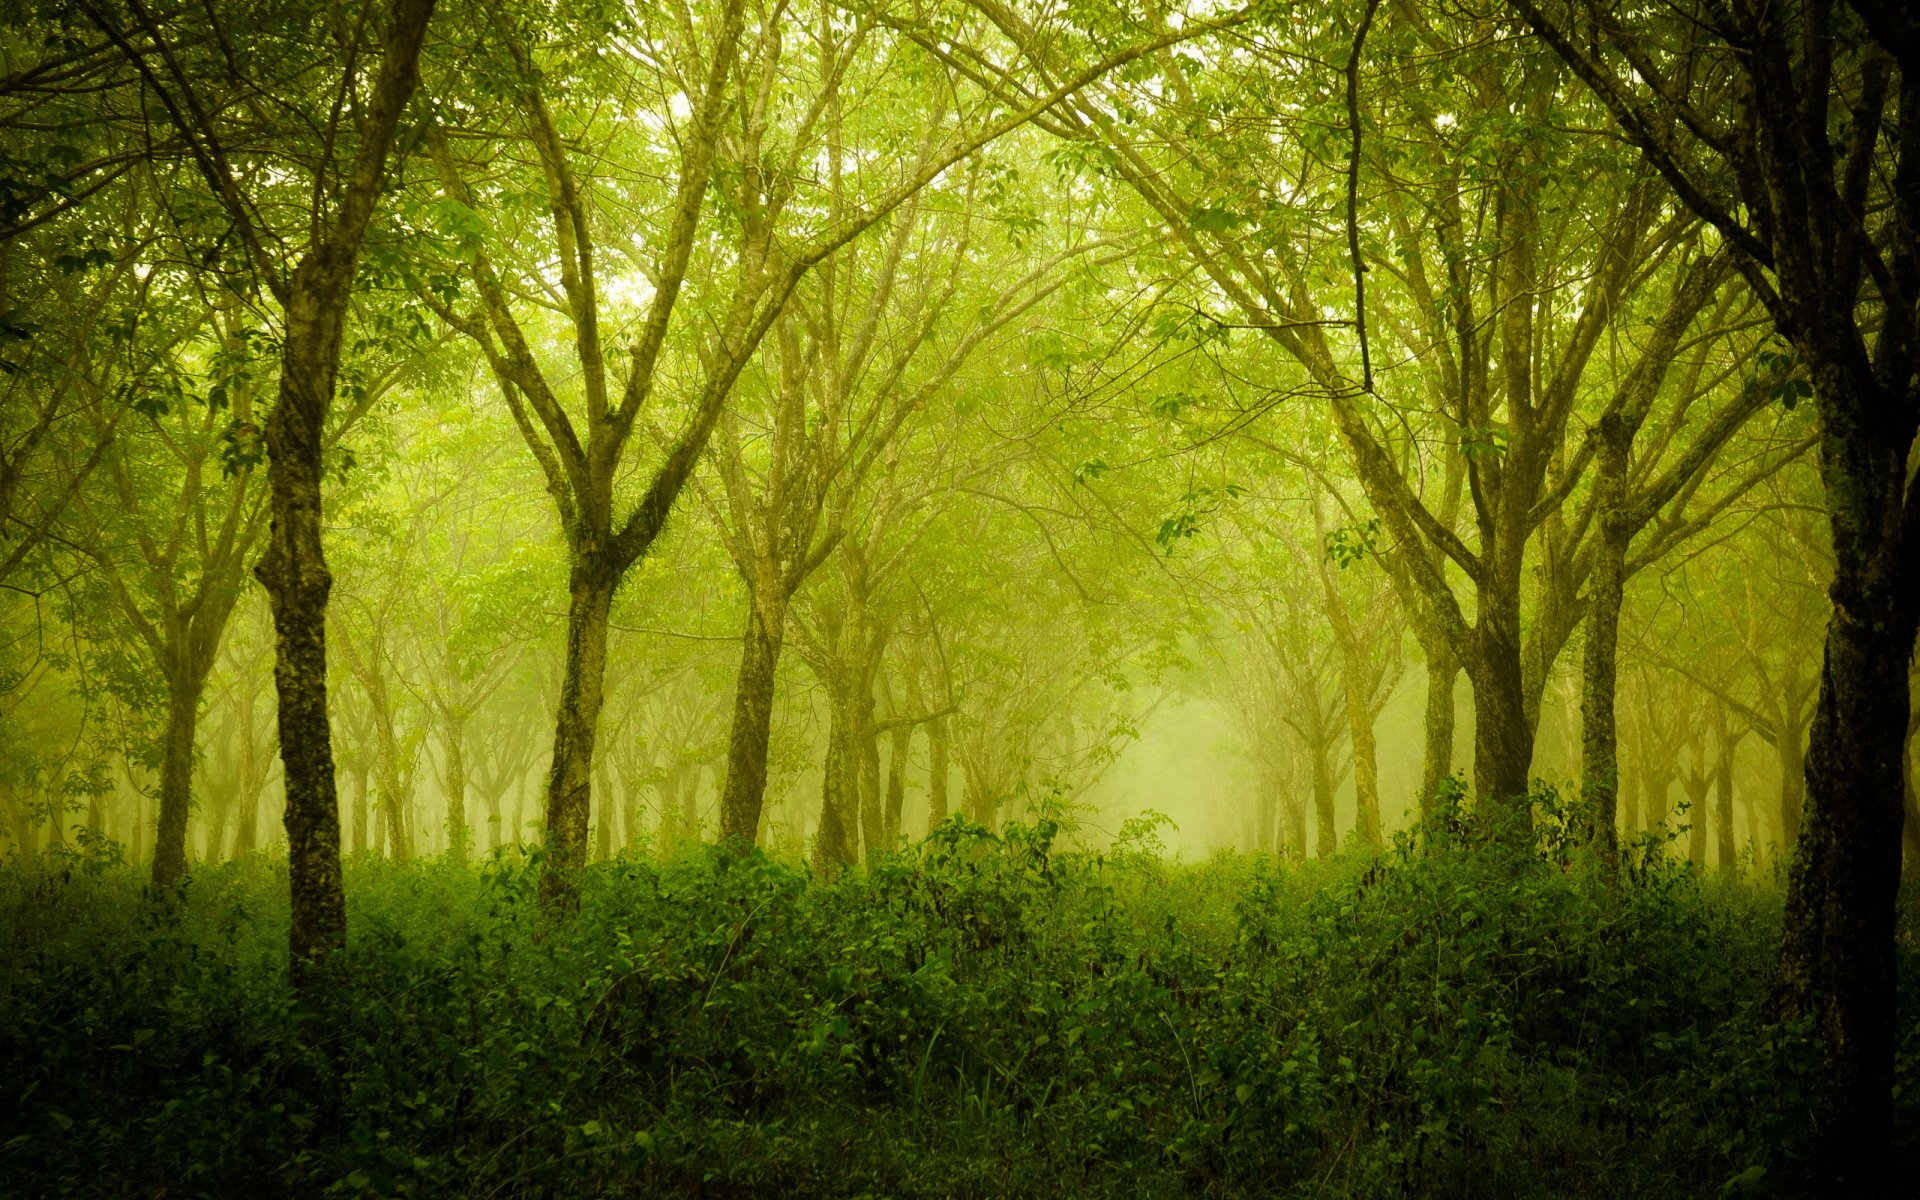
x,y
937,770
1654,796
1697,783
1599,738
459,837
899,744
1632,785
666,837
1366,762
603,812
873,823
358,774
1323,804
569,782
1793,784
294,572
752,730
176,784
838,843
1443,672
1723,799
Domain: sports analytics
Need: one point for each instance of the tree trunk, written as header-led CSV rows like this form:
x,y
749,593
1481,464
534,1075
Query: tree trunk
x,y
176,785
752,730
937,769
1837,950
866,746
666,837
837,845
1366,763
1793,784
603,813
459,836
569,783
293,570
1502,734
1723,798
1599,735
899,744
1443,672
1323,804
1696,784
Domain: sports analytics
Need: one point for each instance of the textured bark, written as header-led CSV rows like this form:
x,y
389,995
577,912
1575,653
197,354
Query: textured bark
x,y
1503,735
752,729
1599,737
590,587
838,843
176,784
1443,672
1837,953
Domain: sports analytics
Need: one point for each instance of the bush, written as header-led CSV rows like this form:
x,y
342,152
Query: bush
x,y
985,1014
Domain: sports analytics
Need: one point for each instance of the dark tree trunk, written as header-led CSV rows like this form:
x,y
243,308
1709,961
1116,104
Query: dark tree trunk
x,y
176,785
837,845
294,572
1599,738
752,731
1837,951
1443,672
569,782
1502,734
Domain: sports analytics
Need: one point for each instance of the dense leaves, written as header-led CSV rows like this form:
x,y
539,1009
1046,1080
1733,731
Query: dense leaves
x,y
986,1014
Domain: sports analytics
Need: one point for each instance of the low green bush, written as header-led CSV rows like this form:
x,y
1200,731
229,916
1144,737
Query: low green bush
x,y
983,1014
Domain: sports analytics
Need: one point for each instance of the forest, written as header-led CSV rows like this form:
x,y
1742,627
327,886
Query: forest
x,y
1057,598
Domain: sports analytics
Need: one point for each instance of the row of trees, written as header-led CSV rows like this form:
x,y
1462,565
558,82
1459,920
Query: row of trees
x,y
997,357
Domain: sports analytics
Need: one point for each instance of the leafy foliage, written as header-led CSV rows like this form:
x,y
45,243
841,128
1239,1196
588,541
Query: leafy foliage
x,y
983,1014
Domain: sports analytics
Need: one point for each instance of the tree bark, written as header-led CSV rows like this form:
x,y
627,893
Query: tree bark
x,y
459,837
1599,735
837,845
899,744
590,589
1837,951
1503,735
1443,672
176,784
937,770
752,730
1329,840
1697,784
1729,742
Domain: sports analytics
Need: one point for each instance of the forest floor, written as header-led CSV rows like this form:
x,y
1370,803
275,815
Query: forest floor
x,y
979,1016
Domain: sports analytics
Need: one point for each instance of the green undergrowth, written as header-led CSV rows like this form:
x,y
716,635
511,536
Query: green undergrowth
x,y
982,1015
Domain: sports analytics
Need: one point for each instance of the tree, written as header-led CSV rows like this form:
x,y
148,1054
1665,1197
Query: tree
x,y
1775,125
307,260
